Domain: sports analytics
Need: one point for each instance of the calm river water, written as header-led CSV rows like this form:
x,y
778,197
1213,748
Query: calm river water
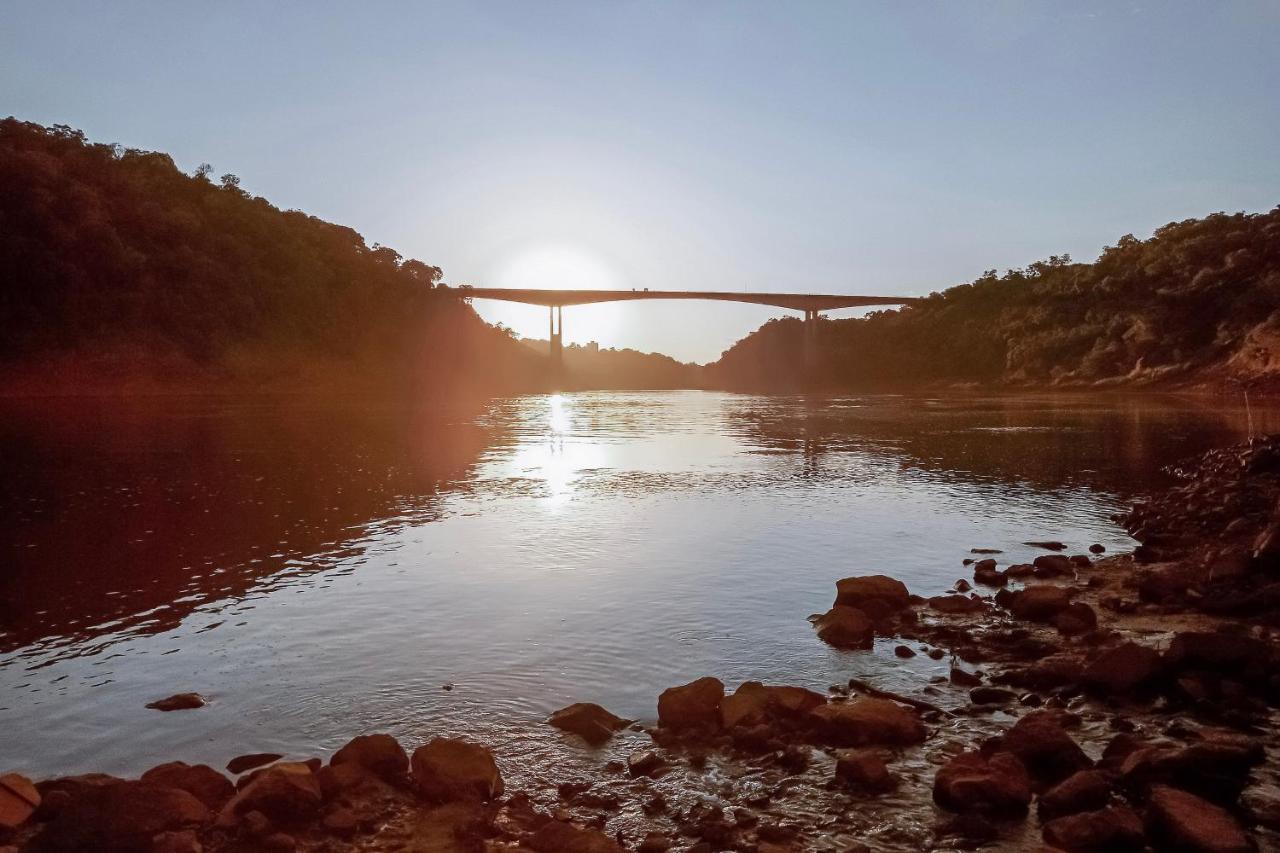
x,y
319,571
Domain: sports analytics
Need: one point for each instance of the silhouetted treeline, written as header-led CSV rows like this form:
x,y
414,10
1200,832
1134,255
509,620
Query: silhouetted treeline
x,y
1198,302
591,366
113,263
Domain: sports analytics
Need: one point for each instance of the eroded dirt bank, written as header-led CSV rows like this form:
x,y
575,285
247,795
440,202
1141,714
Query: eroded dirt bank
x,y
1081,703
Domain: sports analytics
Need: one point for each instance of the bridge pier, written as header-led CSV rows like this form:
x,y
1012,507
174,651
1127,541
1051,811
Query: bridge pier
x,y
810,345
557,336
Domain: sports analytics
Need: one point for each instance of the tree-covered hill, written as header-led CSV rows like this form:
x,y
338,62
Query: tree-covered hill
x,y
1196,304
117,268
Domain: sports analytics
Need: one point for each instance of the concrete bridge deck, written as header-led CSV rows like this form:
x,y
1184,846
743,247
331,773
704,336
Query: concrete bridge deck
x,y
795,301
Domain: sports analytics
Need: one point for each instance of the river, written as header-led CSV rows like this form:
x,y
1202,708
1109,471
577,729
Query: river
x,y
321,570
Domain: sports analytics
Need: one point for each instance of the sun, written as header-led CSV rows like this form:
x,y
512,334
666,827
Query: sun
x,y
561,267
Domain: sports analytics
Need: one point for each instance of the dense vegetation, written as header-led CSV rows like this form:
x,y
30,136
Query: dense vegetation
x,y
116,265
1198,302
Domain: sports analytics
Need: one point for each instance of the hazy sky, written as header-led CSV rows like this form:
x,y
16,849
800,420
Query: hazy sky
x,y
887,147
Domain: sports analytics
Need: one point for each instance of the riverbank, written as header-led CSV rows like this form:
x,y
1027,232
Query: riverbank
x,y
1142,683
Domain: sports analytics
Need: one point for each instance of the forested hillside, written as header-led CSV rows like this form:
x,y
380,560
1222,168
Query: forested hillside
x,y
118,269
1196,304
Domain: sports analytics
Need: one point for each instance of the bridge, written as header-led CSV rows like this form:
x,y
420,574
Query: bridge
x,y
555,300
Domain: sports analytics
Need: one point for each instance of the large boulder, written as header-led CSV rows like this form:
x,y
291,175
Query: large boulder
x,y
445,770
695,705
1044,747
119,817
588,721
18,800
1218,651
1184,822
288,793
867,721
1052,565
1123,669
380,754
200,780
1083,791
754,704
1113,829
846,628
855,592
973,782
1039,603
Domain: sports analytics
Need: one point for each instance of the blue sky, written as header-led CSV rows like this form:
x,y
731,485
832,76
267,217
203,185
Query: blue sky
x,y
862,147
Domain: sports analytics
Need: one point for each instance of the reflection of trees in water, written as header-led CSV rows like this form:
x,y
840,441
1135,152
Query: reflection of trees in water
x,y
1115,443
127,521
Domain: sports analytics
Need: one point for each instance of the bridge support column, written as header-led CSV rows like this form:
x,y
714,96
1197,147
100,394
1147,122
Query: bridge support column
x,y
557,336
810,341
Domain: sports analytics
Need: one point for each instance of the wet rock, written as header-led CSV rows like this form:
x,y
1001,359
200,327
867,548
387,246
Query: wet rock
x,y
200,780
1079,792
1123,669
1039,603
644,762
1095,548
864,770
1107,830
1080,561
991,696
754,704
178,702
1074,619
348,778
446,769
962,585
857,591
1217,771
963,678
122,816
904,651
695,705
1020,570
380,754
846,628
279,842
588,721
655,842
183,841
1049,545
561,837
285,793
1043,746
971,781
18,800
1218,651
342,822
1058,670
1187,823
1052,566
867,721
957,604
241,763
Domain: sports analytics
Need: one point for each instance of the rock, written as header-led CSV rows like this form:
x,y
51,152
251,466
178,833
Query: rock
x,y
588,721
120,816
200,780
182,841
655,842
987,565
1080,561
342,822
1051,545
286,793
350,777
695,705
904,651
1108,830
854,592
754,704
178,702
241,763
1187,823
644,762
963,678
1052,565
1079,792
1218,651
380,754
957,604
962,585
559,837
846,628
1039,603
445,770
991,578
865,770
991,696
1095,548
1077,618
1217,771
18,800
1044,747
867,721
1020,570
279,842
1123,669
998,785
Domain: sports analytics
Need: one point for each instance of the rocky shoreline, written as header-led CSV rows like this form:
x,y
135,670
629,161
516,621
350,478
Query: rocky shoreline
x,y
1078,703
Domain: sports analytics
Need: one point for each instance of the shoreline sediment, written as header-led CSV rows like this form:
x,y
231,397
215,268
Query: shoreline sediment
x,y
1091,702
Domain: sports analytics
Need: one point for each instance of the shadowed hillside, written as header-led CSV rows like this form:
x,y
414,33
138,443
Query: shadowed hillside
x,y
1196,304
122,273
